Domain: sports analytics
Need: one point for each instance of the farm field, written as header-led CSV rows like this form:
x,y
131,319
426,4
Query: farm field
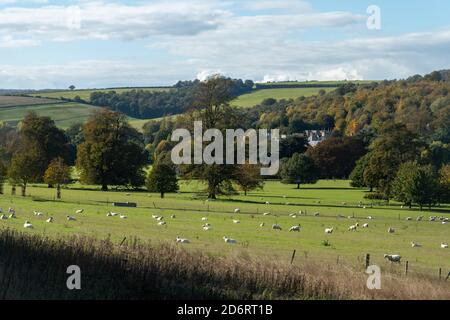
x,y
85,94
326,197
256,97
15,101
283,83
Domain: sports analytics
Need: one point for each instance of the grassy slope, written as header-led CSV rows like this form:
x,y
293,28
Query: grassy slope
x,y
256,97
253,240
12,101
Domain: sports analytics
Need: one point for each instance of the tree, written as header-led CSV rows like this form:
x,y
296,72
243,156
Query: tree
x,y
416,184
300,169
23,168
3,175
444,182
163,176
293,144
72,87
357,175
248,178
112,152
57,174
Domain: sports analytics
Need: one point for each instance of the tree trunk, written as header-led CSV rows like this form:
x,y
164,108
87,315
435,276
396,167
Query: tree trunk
x,y
24,190
162,195
245,192
58,192
13,190
298,185
1,188
104,187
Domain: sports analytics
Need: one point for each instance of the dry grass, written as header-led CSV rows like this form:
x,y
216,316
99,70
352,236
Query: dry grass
x,y
34,267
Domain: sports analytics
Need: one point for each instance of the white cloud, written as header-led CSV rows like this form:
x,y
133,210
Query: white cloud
x,y
10,42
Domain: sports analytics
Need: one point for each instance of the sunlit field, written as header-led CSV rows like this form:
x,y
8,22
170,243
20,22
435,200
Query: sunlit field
x,y
189,206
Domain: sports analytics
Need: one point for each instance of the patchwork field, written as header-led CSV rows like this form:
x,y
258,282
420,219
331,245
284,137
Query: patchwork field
x,y
16,101
189,206
256,97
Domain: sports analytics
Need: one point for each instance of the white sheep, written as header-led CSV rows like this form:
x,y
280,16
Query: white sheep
x,y
49,220
229,240
391,230
204,219
173,216
181,240
122,216
206,227
276,227
415,245
237,210
262,224
370,217
160,218
266,213
113,214
316,214
393,257
419,218
329,230
365,225
444,222
444,245
11,210
70,218
161,223
267,202
37,213
109,214
352,228
294,228
154,216
28,225
79,211
236,221
12,216
294,216
408,219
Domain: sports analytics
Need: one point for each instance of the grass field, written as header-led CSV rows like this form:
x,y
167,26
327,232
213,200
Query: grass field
x,y
86,94
325,197
256,97
16,101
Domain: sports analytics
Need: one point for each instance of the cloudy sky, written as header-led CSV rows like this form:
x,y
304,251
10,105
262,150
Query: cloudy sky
x,y
55,43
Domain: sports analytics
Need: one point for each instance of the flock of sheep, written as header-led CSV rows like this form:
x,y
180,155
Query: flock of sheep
x,y
11,214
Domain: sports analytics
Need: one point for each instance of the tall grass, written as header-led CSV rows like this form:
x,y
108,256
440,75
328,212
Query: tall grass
x,y
34,267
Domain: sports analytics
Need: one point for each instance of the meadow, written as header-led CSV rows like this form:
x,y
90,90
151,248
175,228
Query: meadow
x,y
262,243
256,97
15,101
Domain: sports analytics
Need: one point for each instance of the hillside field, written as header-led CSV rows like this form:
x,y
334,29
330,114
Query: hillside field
x,y
16,101
189,206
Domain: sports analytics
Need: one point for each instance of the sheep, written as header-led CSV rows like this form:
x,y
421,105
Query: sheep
x,y
122,216
344,203
173,216
69,218
393,258
352,228
181,240
160,218
276,227
27,225
419,218
161,223
295,228
329,230
3,217
266,213
206,227
237,210
301,212
128,194
49,220
364,207
236,221
11,210
37,213
444,222
229,240
79,211
262,224
109,214
391,230
415,245
370,217
294,216
357,224
12,216
316,214
444,245
204,219
267,202
408,219
432,219
113,214
365,225
154,216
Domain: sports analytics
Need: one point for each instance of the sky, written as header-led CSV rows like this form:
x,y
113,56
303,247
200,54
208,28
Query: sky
x,y
53,44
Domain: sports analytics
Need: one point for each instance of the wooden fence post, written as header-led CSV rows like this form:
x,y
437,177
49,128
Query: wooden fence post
x,y
293,256
440,273
367,260
406,267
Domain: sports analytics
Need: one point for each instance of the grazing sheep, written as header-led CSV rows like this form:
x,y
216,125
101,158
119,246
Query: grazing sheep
x,y
444,222
49,220
39,214
408,219
173,216
128,194
266,213
267,202
329,230
295,228
109,214
300,212
370,217
3,217
181,240
154,216
113,214
344,203
276,227
419,218
391,230
393,257
161,223
160,218
122,216
70,218
11,210
236,221
432,219
294,216
204,219
28,225
316,214
415,245
229,240
237,210
262,224
352,228
365,225
206,227
444,245
79,211
12,216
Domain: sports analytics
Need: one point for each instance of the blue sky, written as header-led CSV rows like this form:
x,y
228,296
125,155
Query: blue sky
x,y
55,43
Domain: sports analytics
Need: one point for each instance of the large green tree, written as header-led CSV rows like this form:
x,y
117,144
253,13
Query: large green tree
x,y
248,177
57,174
300,169
163,176
24,168
112,152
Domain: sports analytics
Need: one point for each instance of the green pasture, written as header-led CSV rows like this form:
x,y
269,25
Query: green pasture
x,y
190,205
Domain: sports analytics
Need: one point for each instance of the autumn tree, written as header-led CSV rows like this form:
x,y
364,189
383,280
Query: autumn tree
x,y
248,177
163,176
57,174
112,152
300,169
23,168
